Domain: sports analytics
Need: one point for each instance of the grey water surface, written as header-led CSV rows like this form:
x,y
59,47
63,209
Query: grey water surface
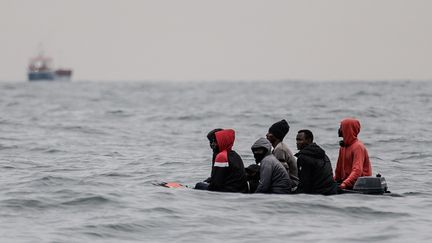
x,y
78,161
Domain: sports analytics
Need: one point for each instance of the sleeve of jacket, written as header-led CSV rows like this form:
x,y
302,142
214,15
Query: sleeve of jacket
x,y
357,168
219,171
305,174
265,178
337,176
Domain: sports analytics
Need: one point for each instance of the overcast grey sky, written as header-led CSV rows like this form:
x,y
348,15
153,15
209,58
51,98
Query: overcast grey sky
x,y
223,39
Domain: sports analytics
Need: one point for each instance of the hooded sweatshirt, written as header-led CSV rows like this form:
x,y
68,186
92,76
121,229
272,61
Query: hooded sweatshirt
x,y
353,160
273,176
315,171
228,173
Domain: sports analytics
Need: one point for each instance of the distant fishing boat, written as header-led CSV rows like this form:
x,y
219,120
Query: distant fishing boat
x,y
41,68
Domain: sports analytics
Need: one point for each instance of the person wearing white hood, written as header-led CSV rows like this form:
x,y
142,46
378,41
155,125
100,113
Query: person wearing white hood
x,y
273,176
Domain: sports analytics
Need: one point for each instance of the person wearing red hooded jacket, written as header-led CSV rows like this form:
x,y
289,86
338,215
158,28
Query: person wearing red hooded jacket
x,y
353,161
228,172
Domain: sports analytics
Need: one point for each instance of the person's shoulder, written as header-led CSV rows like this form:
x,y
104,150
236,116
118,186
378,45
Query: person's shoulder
x,y
271,159
234,157
287,150
276,164
358,145
233,152
267,160
277,149
304,159
285,147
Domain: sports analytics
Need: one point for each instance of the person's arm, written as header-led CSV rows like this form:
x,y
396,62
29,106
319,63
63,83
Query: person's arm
x,y
265,178
282,157
219,171
293,168
357,168
337,175
208,180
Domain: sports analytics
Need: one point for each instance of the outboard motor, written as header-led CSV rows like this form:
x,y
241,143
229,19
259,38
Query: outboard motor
x,y
371,185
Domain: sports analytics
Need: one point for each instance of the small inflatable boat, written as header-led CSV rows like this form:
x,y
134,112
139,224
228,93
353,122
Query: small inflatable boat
x,y
364,185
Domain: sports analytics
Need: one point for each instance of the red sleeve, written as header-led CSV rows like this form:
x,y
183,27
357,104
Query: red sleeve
x,y
357,167
338,169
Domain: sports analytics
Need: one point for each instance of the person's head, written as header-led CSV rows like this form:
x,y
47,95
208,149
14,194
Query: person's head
x,y
277,131
259,154
211,136
225,139
348,130
260,149
304,138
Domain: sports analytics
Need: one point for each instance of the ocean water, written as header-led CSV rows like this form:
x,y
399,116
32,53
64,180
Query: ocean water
x,y
78,161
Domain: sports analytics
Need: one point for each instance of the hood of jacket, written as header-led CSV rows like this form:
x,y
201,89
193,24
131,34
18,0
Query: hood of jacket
x,y
350,129
225,139
312,150
262,143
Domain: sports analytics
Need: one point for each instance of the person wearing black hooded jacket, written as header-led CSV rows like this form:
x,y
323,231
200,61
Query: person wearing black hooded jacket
x,y
228,172
314,167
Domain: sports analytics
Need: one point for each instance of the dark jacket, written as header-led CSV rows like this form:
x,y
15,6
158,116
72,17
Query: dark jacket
x,y
273,176
228,173
252,177
315,171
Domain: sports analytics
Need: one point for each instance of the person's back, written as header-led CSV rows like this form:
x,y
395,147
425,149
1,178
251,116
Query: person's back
x,y
353,160
228,173
273,176
284,155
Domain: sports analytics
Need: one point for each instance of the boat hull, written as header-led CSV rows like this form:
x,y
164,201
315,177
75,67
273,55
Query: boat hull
x,y
47,76
38,76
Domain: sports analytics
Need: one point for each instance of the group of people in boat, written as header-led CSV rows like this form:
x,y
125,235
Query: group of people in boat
x,y
278,170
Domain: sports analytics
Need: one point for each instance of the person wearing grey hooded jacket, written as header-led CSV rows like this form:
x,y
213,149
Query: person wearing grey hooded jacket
x,y
273,176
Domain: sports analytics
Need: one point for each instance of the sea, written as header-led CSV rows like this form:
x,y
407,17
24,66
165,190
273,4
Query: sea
x,y
80,161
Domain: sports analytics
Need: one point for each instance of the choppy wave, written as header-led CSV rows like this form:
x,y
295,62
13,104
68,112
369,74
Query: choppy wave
x,y
20,204
88,201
